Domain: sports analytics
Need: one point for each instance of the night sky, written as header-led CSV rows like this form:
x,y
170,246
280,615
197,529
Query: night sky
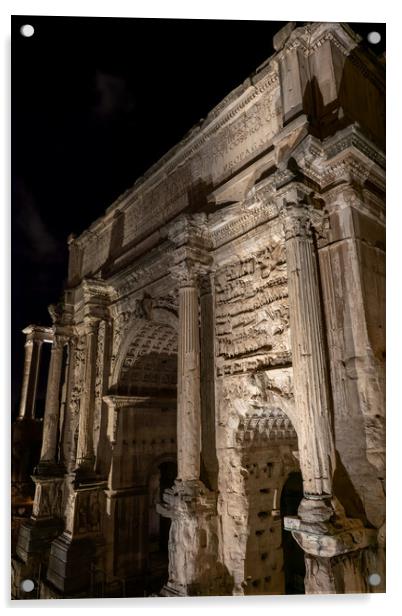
x,y
95,102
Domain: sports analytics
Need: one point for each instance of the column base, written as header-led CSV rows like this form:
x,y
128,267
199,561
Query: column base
x,y
338,553
170,590
85,475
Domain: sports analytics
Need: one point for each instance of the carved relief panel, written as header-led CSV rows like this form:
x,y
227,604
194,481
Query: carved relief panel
x,y
252,317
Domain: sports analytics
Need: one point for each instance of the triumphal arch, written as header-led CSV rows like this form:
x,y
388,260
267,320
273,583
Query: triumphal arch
x,y
214,419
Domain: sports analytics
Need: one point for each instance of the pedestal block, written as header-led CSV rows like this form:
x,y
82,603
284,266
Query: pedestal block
x,y
35,537
69,564
37,533
194,567
74,552
340,554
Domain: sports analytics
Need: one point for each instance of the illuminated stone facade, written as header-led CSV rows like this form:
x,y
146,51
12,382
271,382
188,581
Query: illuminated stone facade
x,y
214,420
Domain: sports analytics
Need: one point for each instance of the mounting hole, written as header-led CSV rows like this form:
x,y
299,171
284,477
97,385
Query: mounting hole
x,y
27,585
27,30
374,37
374,579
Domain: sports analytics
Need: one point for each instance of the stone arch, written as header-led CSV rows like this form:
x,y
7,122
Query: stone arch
x,y
143,337
256,426
143,383
129,327
268,440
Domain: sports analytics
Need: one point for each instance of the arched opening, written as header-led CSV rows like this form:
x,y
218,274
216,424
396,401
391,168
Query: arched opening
x,y
293,555
267,440
144,453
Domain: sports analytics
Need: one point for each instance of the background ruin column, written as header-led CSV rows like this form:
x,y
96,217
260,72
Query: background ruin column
x,y
310,377
26,379
52,404
188,394
85,450
35,336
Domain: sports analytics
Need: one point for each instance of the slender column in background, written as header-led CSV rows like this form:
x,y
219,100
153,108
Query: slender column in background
x,y
52,405
26,378
36,335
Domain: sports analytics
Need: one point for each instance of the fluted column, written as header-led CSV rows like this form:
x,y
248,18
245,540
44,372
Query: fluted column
x,y
85,449
310,374
52,404
188,393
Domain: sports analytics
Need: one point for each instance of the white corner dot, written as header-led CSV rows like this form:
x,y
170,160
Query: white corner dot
x,y
374,579
374,37
27,30
27,585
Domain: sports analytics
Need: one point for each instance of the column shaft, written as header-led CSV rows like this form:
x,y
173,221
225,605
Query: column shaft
x,y
26,378
310,376
33,380
52,405
188,394
85,450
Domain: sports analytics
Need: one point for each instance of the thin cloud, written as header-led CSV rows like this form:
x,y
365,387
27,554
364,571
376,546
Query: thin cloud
x,y
33,238
114,98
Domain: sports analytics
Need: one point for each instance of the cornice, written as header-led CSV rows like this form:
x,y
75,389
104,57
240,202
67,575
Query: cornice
x,y
222,115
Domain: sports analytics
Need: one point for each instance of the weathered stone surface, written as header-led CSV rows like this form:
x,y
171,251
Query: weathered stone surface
x,y
215,414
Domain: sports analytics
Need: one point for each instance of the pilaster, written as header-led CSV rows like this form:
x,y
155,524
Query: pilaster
x,y
85,449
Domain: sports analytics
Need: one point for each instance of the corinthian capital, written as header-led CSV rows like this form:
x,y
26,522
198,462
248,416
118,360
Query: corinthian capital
x,y
188,272
91,324
295,212
296,220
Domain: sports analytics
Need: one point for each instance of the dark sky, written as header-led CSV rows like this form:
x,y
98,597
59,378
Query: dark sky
x,y
95,102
